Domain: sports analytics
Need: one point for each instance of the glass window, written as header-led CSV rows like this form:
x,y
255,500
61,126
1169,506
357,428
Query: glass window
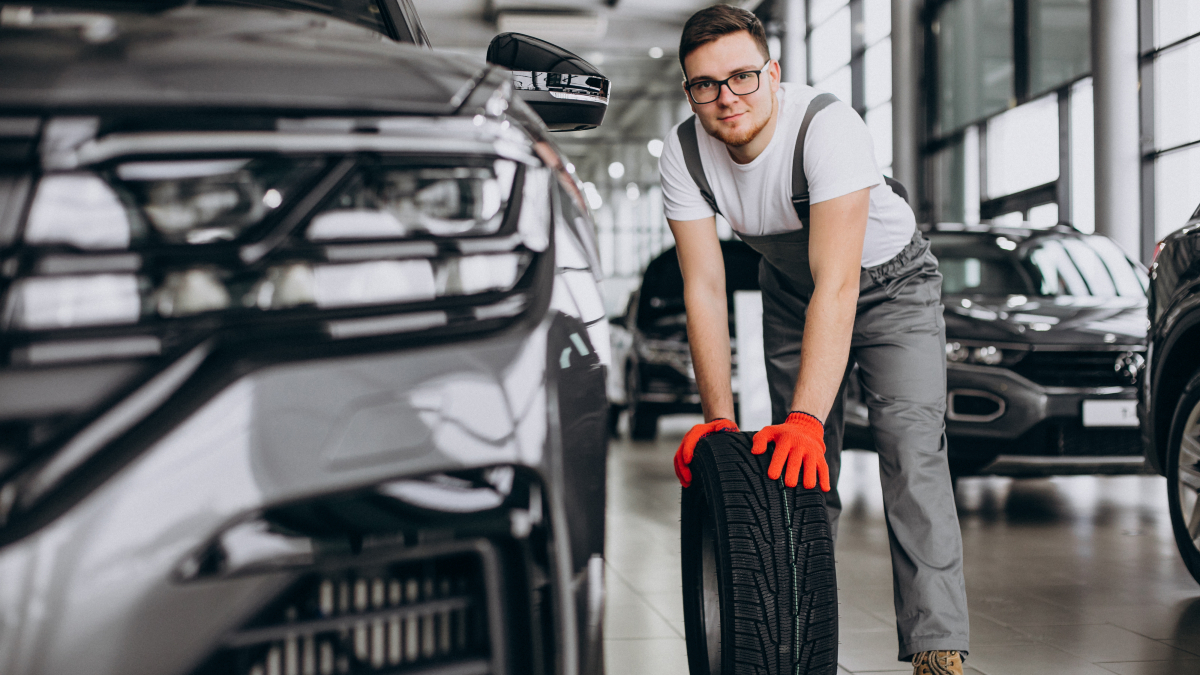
x,y
877,67
823,9
1175,20
839,84
1177,96
831,44
1044,215
1083,150
975,61
879,123
1176,189
877,20
1059,42
948,184
1022,147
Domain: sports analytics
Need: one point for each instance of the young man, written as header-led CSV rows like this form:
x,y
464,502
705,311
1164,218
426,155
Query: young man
x,y
856,281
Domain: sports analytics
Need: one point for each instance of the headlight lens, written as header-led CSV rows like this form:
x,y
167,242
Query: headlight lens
x,y
986,355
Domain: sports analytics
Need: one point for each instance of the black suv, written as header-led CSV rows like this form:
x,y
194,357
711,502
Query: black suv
x,y
1169,405
300,346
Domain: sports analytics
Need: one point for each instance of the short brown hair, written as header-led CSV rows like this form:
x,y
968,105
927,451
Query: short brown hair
x,y
718,21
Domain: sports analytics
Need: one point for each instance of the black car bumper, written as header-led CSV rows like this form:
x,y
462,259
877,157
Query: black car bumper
x,y
999,422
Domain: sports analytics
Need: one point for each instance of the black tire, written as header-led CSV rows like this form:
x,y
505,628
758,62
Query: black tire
x,y
758,568
1183,477
614,420
643,422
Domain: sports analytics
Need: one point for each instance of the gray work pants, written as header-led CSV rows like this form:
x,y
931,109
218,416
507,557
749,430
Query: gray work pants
x,y
899,345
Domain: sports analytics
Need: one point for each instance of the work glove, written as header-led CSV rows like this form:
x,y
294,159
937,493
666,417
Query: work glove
x,y
683,456
799,442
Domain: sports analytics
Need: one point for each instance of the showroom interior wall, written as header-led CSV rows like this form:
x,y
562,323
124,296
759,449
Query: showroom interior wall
x,y
1010,129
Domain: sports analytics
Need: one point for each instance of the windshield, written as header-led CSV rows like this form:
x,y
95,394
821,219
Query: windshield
x,y
990,264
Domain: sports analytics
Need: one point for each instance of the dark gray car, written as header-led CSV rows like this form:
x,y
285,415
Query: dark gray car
x,y
301,354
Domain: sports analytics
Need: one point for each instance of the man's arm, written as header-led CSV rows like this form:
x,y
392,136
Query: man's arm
x,y
835,244
703,270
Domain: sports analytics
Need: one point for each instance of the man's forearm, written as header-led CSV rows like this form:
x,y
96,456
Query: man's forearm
x,y
828,325
708,337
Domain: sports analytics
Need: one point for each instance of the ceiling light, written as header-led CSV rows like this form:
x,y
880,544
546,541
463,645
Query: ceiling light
x,y
656,52
655,146
553,26
616,170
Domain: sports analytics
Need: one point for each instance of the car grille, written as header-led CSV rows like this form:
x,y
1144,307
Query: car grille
x,y
425,616
1072,369
1069,438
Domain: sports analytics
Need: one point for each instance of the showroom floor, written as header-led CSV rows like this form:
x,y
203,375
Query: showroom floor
x,y
1065,576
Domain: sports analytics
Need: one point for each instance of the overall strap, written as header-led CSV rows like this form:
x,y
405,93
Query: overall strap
x,y
691,157
799,180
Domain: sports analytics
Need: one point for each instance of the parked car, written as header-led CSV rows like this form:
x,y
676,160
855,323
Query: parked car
x,y
1045,336
1169,405
656,362
301,349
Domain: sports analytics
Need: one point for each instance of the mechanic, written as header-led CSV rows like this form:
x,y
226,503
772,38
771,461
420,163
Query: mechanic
x,y
855,283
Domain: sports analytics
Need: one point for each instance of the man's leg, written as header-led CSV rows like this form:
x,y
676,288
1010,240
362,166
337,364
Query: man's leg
x,y
783,328
900,349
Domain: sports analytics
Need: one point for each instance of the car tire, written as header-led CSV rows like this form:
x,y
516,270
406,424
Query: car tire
x,y
1183,475
643,422
614,420
758,572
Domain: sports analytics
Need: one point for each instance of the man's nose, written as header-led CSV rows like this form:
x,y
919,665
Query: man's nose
x,y
726,96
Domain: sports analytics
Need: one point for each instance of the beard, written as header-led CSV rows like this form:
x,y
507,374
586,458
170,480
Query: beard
x,y
738,138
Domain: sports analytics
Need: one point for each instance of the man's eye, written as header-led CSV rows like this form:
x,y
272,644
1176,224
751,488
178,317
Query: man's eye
x,y
702,86
742,77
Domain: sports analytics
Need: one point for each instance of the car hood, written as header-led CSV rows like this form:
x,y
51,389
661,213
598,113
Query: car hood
x,y
1083,321
215,57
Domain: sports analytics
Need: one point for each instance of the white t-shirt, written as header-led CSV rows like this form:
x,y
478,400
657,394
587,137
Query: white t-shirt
x,y
756,198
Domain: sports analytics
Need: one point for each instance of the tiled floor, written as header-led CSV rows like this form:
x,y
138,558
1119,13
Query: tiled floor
x,y
1065,576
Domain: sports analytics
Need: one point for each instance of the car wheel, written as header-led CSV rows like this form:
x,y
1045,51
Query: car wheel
x,y
614,419
643,418
1183,475
760,593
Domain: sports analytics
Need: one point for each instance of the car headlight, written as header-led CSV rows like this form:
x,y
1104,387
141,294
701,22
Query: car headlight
x,y
395,233
982,354
668,353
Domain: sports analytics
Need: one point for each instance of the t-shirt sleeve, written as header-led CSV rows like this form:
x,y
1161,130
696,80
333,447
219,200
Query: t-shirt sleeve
x,y
839,155
681,197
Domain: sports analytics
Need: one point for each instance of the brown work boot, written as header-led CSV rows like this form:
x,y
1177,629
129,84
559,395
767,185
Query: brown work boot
x,y
938,663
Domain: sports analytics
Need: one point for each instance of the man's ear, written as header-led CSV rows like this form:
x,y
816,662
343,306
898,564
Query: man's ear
x,y
776,75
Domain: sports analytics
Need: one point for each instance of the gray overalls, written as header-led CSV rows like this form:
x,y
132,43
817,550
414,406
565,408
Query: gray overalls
x,y
898,343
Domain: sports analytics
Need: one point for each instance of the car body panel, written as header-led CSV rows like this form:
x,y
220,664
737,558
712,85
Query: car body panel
x,y
1174,339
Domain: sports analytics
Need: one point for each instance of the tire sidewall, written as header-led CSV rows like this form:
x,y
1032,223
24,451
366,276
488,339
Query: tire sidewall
x,y
1187,403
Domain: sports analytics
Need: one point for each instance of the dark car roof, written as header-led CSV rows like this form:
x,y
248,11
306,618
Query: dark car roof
x,y
222,57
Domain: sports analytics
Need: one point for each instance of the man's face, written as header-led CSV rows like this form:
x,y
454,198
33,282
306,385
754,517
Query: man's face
x,y
732,119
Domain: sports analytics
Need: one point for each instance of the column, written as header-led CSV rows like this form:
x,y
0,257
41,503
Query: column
x,y
1115,91
907,63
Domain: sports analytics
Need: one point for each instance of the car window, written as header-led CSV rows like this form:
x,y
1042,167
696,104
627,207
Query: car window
x,y
988,264
364,13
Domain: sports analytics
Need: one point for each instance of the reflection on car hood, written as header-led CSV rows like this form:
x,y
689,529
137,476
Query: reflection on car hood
x,y
221,58
1060,320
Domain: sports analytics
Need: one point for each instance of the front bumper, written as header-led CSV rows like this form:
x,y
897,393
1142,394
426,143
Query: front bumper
x,y
999,422
102,588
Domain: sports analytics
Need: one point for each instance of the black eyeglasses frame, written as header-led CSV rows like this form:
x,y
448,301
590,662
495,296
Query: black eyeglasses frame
x,y
687,88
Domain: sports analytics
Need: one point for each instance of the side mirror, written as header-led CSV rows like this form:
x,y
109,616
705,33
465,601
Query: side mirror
x,y
567,92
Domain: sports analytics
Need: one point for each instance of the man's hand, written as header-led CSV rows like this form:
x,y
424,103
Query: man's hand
x,y
799,442
683,456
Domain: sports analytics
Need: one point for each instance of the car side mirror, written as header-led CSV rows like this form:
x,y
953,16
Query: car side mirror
x,y
567,92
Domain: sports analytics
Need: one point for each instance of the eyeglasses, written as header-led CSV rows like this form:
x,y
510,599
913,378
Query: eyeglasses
x,y
741,84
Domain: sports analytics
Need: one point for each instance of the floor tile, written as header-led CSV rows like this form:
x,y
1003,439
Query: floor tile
x,y
645,657
1180,667
1035,659
1098,643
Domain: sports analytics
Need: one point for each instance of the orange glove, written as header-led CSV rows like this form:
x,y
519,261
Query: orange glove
x,y
683,456
799,441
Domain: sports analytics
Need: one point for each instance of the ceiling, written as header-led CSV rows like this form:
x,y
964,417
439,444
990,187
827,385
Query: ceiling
x,y
646,98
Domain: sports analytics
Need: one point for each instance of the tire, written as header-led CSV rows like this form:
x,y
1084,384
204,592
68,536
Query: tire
x,y
1183,475
643,422
758,570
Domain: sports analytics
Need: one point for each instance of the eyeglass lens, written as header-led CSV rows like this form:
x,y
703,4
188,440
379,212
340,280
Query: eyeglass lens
x,y
740,84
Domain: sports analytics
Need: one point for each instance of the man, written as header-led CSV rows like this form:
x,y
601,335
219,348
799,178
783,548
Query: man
x,y
855,283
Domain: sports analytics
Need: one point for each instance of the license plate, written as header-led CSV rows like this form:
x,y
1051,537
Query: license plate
x,y
1110,413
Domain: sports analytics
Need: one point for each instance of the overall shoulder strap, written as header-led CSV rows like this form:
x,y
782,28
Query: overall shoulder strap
x,y
691,157
799,180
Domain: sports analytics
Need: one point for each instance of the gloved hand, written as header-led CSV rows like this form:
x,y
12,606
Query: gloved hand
x,y
799,442
683,456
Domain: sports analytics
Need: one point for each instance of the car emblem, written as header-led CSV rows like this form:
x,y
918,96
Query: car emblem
x,y
1128,365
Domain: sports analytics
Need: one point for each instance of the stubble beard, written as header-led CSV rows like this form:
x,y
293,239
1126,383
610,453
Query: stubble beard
x,y
736,139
